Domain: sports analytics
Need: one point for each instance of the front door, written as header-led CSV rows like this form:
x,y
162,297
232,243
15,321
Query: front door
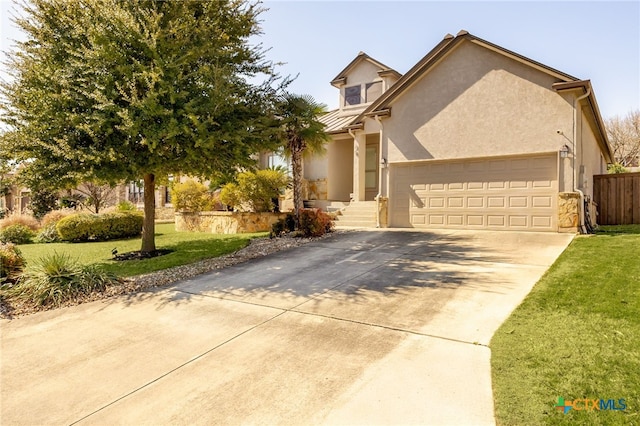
x,y
371,171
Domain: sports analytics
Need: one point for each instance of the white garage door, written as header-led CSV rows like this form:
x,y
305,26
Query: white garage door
x,y
510,193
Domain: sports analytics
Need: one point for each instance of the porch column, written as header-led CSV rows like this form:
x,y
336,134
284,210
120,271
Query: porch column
x,y
359,160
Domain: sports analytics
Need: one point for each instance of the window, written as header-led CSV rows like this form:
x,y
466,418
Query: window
x,y
373,91
136,192
352,95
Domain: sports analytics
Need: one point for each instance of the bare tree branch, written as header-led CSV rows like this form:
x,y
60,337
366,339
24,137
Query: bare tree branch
x,y
624,137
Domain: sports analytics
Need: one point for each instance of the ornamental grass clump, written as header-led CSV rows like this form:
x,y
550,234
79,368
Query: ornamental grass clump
x,y
20,219
57,278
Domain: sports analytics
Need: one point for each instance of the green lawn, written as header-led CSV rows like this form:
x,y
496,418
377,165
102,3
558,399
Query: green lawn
x,y
576,336
188,247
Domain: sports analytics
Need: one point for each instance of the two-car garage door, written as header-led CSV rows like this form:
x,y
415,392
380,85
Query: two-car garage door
x,y
510,193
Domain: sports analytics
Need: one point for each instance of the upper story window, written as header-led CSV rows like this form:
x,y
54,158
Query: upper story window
x,y
352,95
362,93
373,91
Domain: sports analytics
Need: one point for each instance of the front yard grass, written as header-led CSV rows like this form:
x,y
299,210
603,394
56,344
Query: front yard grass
x,y
187,247
575,336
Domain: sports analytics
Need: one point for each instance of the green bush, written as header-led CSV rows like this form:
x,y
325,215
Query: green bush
x,y
126,206
191,196
106,226
11,262
120,225
616,168
16,234
255,191
314,222
57,278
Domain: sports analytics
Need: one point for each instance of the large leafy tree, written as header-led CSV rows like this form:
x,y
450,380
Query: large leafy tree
x,y
125,90
301,132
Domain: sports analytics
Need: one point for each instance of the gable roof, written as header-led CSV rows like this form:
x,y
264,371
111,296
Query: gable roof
x,y
341,78
430,59
381,106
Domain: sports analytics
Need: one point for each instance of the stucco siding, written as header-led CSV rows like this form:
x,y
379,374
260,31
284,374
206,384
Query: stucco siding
x,y
589,156
477,103
340,178
364,72
315,167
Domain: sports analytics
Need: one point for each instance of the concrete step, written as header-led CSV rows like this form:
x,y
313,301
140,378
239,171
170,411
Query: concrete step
x,y
360,214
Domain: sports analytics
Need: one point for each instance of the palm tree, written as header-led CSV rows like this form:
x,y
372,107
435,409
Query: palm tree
x,y
301,132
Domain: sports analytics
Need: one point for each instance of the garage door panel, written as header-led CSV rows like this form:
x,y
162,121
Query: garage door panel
x,y
517,193
455,202
518,221
518,201
541,201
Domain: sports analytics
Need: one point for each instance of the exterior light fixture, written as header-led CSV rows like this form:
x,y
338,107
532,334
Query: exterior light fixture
x,y
564,151
383,163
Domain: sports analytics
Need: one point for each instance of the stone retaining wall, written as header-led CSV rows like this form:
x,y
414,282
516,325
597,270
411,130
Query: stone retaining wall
x,y
226,222
165,213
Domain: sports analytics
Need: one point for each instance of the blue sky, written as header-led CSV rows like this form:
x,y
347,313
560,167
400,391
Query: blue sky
x,y
599,41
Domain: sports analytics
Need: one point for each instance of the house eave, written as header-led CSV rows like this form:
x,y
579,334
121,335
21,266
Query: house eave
x,y
379,113
584,86
341,79
339,82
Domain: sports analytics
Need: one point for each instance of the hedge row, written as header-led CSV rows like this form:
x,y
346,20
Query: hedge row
x,y
106,226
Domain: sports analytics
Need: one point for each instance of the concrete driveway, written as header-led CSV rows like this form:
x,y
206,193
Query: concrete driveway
x,y
375,327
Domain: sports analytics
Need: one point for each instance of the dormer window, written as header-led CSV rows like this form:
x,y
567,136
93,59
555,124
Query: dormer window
x,y
362,93
373,91
352,95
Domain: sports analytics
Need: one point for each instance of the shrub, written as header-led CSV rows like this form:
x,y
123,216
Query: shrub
x,y
191,196
255,191
57,278
616,168
20,219
126,206
314,222
16,234
76,227
120,225
48,234
11,262
283,226
107,226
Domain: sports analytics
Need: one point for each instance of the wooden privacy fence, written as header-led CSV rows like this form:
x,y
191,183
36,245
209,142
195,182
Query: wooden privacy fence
x,y
618,198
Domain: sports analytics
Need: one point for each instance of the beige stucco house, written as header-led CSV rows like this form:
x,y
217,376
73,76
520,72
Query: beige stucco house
x,y
474,136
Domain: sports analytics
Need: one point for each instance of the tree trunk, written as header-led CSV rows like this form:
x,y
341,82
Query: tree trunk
x,y
149,224
296,165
